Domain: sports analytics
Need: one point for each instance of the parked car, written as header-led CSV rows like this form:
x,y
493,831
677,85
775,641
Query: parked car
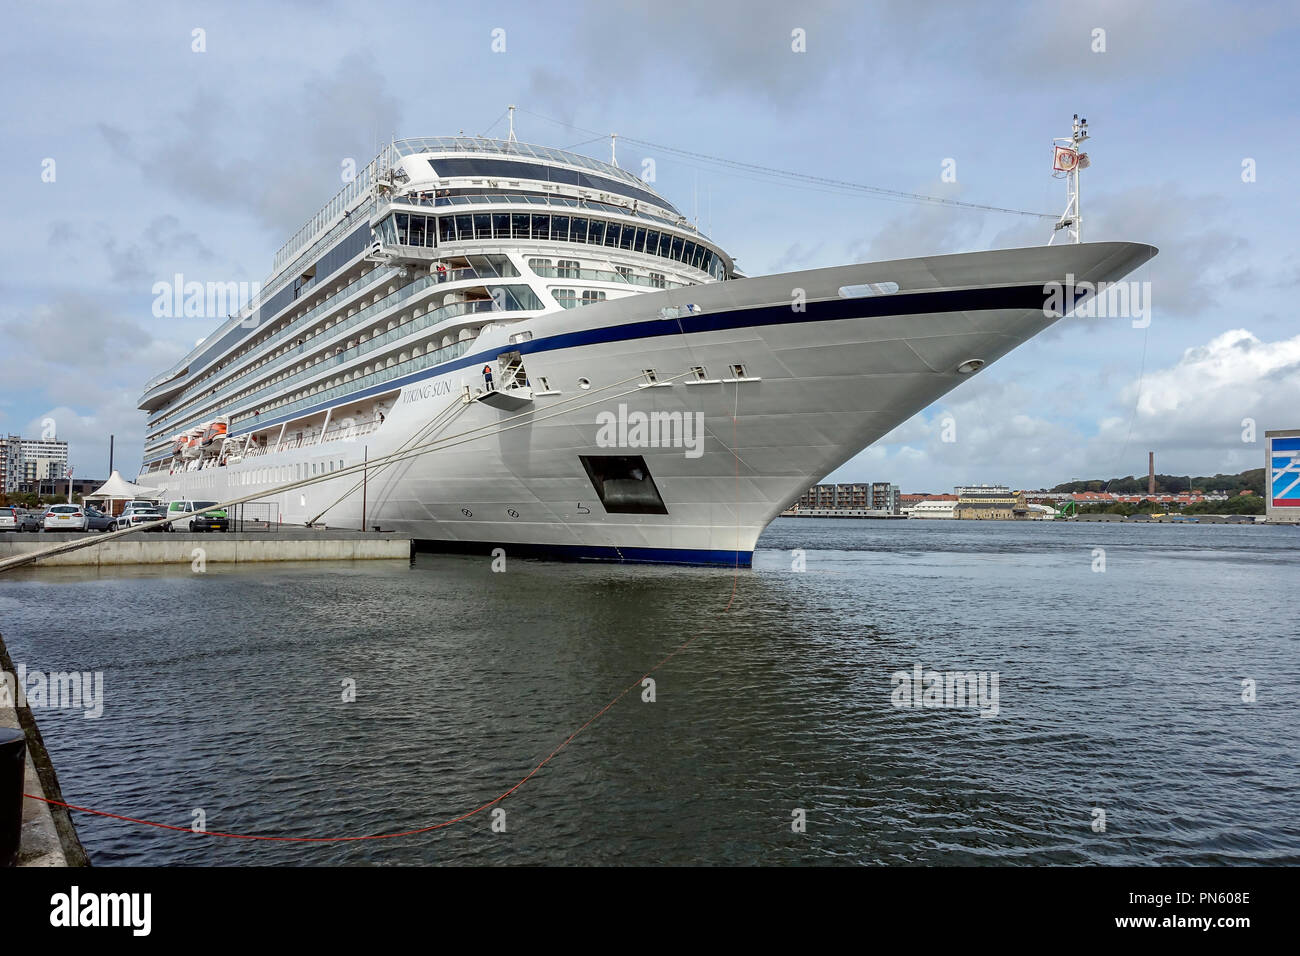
x,y
214,520
31,520
65,518
96,520
137,513
131,506
8,518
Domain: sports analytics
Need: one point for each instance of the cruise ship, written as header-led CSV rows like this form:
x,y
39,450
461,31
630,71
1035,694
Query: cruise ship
x,y
539,352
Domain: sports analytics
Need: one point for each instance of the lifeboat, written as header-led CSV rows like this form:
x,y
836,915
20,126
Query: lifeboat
x,y
192,439
178,445
232,450
216,430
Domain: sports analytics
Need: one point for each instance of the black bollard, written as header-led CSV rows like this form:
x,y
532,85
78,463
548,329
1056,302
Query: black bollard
x,y
13,770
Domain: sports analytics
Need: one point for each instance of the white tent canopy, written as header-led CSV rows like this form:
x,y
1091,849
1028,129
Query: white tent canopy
x,y
118,488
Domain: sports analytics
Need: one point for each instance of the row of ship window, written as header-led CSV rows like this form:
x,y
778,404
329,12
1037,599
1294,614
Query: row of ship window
x,y
570,299
572,269
408,229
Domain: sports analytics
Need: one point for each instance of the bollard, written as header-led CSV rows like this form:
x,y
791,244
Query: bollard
x,y
13,770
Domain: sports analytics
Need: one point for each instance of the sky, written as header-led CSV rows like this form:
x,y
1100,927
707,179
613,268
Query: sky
x,y
142,140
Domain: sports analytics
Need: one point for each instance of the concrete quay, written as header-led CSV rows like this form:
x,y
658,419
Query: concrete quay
x,y
49,837
235,547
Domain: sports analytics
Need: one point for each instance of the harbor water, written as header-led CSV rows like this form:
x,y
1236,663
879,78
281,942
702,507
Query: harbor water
x,y
1147,700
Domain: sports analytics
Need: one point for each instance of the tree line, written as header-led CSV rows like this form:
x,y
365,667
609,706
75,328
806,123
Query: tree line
x,y
1249,480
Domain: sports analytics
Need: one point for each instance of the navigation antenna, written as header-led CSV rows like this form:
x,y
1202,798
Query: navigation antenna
x,y
1067,160
613,148
511,137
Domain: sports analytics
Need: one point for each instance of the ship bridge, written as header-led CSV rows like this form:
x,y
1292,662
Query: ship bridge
x,y
441,192
492,164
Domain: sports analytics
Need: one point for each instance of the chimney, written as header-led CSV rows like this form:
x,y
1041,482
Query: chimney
x,y
1151,473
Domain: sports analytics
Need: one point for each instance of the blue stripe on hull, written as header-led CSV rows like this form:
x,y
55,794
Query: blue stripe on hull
x,y
587,552
907,303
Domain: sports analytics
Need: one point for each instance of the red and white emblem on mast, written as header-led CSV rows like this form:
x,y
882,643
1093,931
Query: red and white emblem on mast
x,y
1065,159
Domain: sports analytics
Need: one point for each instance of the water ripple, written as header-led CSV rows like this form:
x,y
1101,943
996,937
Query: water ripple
x,y
1118,691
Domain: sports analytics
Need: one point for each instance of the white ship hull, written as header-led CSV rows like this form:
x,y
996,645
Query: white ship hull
x,y
819,384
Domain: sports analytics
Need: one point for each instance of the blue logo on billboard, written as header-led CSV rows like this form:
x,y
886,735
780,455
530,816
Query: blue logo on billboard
x,y
1284,472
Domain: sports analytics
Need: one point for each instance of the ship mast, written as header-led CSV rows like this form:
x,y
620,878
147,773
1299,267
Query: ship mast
x,y
1067,160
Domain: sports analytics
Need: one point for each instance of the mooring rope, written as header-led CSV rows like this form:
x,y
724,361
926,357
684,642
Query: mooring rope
x,y
494,428
401,833
639,682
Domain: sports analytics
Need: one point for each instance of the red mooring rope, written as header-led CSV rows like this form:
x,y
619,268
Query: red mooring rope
x,y
464,816
380,836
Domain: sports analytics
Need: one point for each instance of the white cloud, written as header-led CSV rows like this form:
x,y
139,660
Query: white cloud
x,y
88,434
1201,401
83,365
1190,413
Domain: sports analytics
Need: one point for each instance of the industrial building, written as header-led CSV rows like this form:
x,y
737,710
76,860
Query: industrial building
x,y
973,503
934,506
983,502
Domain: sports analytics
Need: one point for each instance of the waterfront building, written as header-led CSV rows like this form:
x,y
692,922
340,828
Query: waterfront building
x,y
835,497
8,460
31,461
884,497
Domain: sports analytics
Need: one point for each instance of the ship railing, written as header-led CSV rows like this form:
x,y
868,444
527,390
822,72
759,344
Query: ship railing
x,y
388,372
554,201
431,357
295,327
350,430
348,356
598,275
345,431
407,251
388,302
280,277
340,203
605,275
